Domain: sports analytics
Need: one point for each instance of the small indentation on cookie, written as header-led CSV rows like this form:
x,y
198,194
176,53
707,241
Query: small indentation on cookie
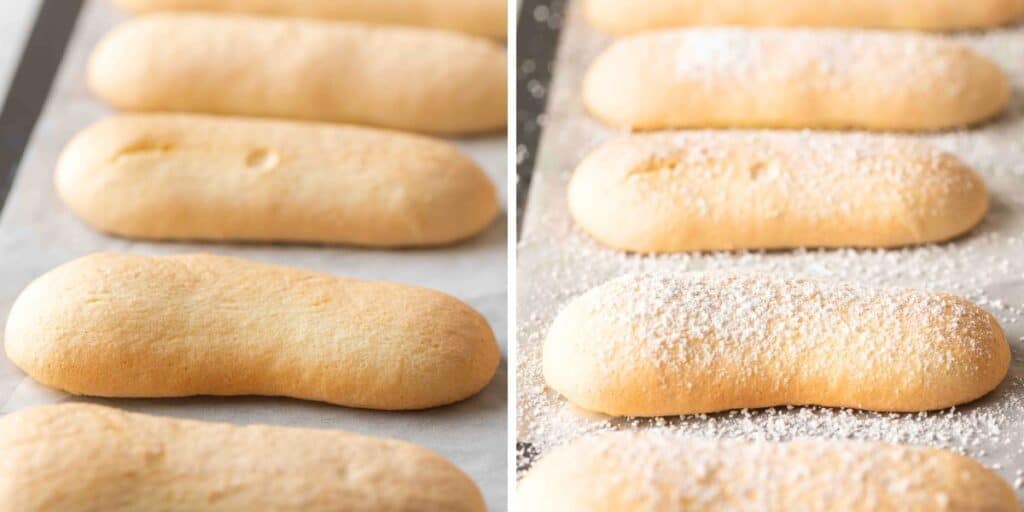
x,y
763,170
756,169
655,164
143,146
153,454
262,159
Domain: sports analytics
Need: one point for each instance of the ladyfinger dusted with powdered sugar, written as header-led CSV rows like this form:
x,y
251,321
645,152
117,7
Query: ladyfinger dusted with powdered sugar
x,y
772,78
708,191
621,17
654,470
671,344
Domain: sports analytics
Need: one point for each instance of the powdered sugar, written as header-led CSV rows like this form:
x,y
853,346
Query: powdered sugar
x,y
557,262
824,59
744,319
658,470
850,176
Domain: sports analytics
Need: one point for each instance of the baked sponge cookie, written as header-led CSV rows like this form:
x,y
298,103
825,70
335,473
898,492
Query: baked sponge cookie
x,y
727,190
122,325
655,470
404,78
799,78
479,17
198,177
669,344
79,458
621,17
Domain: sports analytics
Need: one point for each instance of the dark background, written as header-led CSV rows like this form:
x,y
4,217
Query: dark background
x,y
31,83
539,25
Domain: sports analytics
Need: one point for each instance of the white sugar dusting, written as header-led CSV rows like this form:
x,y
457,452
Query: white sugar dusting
x,y
827,59
686,322
829,173
557,262
660,469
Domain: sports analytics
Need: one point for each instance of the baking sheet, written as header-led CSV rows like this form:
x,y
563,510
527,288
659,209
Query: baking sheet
x,y
556,262
38,233
15,25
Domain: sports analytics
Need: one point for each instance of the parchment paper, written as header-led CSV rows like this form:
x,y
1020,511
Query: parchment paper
x,y
556,262
38,233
